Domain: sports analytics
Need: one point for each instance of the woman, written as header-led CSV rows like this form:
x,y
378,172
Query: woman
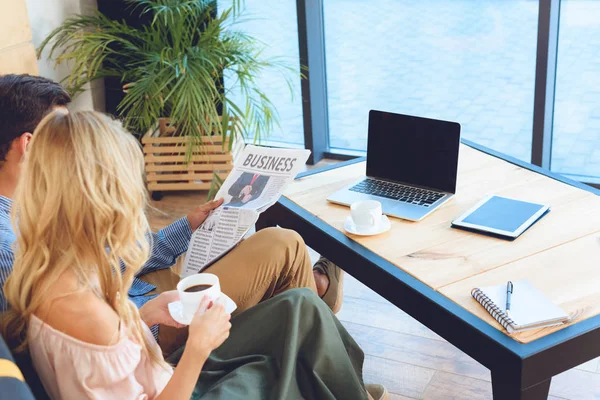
x,y
81,193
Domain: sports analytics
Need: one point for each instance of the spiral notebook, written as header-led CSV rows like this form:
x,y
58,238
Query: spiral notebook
x,y
530,308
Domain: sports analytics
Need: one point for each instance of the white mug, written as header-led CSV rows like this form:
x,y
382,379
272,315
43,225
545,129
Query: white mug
x,y
366,214
191,300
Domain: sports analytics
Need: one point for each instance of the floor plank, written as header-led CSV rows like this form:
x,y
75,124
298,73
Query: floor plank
x,y
416,350
445,386
576,384
382,315
354,288
172,207
590,366
395,396
403,379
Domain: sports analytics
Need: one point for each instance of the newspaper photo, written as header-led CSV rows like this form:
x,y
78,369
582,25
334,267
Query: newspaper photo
x,y
259,177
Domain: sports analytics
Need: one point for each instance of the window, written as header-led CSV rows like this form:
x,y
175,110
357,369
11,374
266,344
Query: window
x,y
274,23
576,133
472,62
469,61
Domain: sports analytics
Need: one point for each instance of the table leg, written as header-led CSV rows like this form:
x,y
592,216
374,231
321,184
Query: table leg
x,y
505,389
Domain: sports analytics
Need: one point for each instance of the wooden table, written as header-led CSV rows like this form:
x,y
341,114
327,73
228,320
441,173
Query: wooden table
x,y
428,269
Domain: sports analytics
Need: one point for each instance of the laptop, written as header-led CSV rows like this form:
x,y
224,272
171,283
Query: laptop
x,y
412,164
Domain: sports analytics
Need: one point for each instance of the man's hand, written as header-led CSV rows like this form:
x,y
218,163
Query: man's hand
x,y
198,216
246,190
156,311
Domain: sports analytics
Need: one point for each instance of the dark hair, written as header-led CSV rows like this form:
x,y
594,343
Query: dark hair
x,y
24,101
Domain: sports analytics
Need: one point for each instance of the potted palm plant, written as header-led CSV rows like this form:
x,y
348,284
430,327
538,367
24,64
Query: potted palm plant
x,y
172,73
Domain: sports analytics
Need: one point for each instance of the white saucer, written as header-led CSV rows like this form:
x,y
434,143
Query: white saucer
x,y
176,309
383,226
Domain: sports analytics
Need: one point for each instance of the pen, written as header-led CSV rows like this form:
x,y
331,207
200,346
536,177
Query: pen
x,y
509,291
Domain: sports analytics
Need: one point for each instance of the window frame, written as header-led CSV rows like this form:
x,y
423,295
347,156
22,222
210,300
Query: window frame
x,y
311,38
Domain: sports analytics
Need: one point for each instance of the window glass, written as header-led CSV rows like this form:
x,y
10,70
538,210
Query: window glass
x,y
576,131
467,61
274,23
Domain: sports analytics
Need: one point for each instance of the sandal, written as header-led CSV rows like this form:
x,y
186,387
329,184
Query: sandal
x,y
335,291
377,392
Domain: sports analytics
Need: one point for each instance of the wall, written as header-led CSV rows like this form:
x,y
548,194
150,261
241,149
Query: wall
x,y
45,16
17,54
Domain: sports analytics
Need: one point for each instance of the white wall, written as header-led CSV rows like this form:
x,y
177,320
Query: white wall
x,y
46,15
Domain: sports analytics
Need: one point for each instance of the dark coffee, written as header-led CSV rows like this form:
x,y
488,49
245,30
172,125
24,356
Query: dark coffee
x,y
197,288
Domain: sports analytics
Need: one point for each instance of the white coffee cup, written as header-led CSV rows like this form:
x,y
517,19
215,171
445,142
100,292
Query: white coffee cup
x,y
366,214
191,300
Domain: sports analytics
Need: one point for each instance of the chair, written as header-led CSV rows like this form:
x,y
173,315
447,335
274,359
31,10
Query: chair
x,y
17,382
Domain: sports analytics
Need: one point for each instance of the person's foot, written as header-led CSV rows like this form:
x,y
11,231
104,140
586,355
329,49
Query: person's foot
x,y
377,392
322,282
333,293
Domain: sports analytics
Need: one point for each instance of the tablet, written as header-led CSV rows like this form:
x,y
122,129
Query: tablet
x,y
501,216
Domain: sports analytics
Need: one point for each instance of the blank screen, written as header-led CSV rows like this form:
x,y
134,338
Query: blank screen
x,y
418,151
503,214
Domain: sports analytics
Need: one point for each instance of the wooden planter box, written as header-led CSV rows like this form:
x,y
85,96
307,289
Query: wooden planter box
x,y
167,166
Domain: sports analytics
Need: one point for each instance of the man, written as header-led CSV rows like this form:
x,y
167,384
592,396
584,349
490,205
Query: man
x,y
266,264
246,188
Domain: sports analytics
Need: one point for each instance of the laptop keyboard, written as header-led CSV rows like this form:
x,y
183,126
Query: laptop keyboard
x,y
396,191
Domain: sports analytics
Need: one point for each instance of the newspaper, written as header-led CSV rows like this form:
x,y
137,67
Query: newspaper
x,y
259,177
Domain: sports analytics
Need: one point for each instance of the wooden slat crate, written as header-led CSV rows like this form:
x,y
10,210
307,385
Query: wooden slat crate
x,y
167,166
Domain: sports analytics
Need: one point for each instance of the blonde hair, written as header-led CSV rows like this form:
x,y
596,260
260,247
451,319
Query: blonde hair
x,y
79,206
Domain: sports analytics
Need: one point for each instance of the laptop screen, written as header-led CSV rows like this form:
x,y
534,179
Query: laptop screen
x,y
413,150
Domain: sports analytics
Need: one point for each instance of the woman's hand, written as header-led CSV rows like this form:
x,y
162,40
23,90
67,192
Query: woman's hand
x,y
199,215
156,311
210,330
207,332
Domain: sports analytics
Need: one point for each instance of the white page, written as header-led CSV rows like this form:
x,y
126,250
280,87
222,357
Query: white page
x,y
259,177
528,306
223,229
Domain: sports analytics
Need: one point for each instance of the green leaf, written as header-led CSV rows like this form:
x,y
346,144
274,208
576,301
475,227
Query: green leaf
x,y
174,67
215,185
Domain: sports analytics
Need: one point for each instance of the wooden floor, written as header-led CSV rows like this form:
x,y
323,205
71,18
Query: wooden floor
x,y
405,356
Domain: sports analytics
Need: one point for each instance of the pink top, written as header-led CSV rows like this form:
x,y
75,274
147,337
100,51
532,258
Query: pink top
x,y
72,369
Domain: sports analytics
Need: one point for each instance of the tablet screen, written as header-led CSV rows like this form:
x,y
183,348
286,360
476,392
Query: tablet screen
x,y
503,214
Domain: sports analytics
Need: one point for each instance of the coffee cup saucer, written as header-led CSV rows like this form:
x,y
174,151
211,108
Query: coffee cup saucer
x,y
176,309
383,226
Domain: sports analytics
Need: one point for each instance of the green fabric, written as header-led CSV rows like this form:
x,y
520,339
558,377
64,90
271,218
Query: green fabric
x,y
288,347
